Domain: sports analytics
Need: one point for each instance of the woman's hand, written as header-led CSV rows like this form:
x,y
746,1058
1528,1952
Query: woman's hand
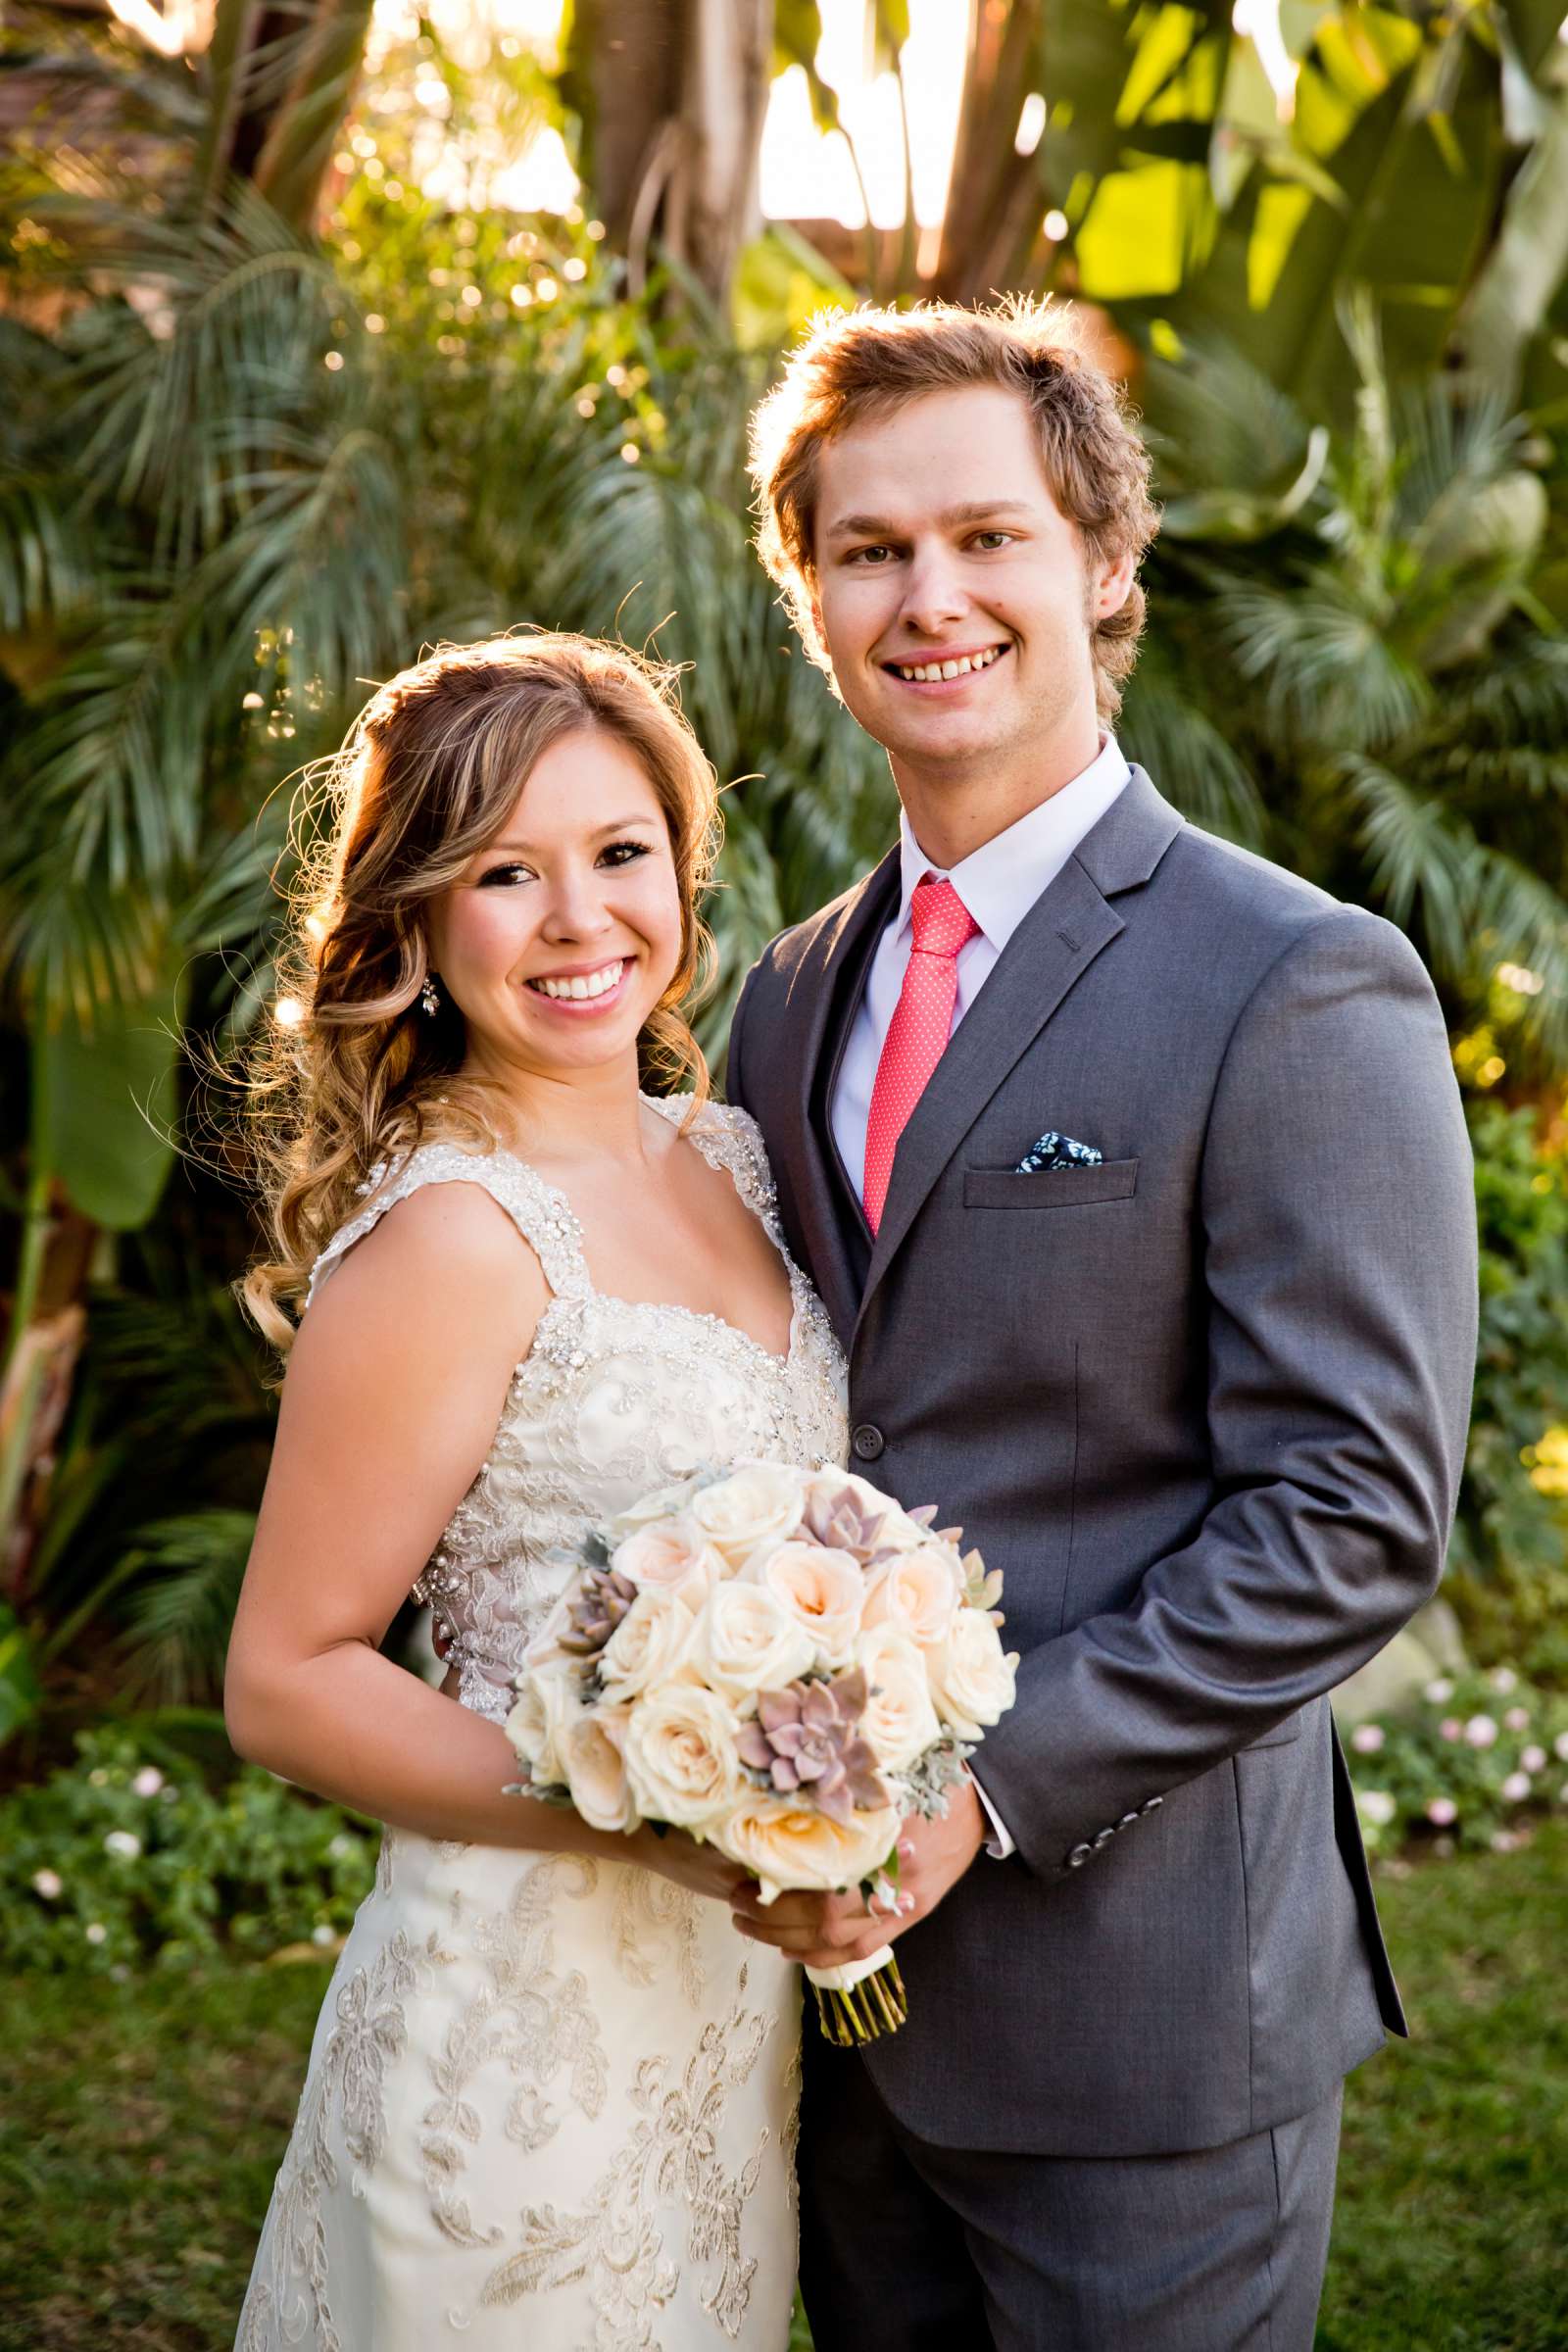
x,y
700,1869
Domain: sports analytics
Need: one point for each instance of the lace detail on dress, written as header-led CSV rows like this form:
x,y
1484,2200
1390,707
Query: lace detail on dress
x,y
540,1213
614,1398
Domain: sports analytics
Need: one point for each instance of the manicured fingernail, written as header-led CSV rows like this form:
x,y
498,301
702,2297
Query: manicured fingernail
x,y
906,1850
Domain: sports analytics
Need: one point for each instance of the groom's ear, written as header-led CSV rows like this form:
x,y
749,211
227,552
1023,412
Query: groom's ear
x,y
1115,585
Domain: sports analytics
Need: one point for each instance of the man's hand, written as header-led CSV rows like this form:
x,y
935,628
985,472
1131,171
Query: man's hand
x,y
824,1930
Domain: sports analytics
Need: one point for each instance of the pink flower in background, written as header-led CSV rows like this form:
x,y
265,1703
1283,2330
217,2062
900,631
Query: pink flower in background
x,y
1516,1788
1439,1690
1450,1728
1480,1731
1517,1719
1534,1759
1503,1842
49,1883
1559,1748
1504,1679
1442,1812
148,1780
1367,1739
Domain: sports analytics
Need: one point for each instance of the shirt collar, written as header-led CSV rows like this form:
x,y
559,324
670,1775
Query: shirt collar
x,y
999,881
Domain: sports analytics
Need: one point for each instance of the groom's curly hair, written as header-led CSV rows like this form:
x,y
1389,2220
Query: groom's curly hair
x,y
862,364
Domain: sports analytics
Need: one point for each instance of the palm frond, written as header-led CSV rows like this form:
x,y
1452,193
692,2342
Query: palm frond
x,y
183,1577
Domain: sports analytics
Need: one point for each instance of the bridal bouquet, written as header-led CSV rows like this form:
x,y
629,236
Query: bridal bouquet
x,y
782,1663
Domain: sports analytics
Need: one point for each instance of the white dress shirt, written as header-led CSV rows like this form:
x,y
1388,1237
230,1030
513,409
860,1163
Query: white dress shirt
x,y
999,883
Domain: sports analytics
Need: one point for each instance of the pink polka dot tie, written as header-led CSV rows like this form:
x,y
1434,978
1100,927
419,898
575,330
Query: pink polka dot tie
x,y
917,1033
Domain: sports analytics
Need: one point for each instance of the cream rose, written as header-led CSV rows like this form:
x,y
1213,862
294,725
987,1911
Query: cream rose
x,y
667,1503
972,1680
546,1702
747,1640
680,1755
593,1750
822,1590
917,1594
758,1504
900,1720
649,1644
674,1555
789,1847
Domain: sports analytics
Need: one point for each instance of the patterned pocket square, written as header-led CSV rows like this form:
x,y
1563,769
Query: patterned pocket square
x,y
1058,1150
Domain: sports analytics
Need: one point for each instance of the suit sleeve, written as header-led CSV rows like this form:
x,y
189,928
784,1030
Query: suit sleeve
x,y
734,1084
1337,1235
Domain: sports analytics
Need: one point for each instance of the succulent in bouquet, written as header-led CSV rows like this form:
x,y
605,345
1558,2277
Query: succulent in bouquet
x,y
781,1662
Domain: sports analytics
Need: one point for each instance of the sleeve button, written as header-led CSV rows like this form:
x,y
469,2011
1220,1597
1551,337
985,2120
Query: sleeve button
x,y
1079,1856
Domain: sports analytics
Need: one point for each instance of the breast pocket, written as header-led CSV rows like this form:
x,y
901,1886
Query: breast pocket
x,y
1051,1188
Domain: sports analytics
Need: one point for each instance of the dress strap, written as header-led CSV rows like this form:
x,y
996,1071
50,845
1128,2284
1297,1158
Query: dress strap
x,y
541,1214
730,1139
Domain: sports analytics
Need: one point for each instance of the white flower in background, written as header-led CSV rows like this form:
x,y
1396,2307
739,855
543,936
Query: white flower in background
x,y
49,1883
759,1504
1559,1748
1367,1739
123,1842
148,1780
1440,1690
1450,1728
899,1721
917,1594
788,1845
322,1933
1481,1732
1376,1805
95,1932
747,1640
1503,1842
972,1680
647,1645
1504,1679
822,1590
1441,1812
536,1723
1533,1759
681,1760
341,1846
1517,1719
674,1555
1516,1788
594,1753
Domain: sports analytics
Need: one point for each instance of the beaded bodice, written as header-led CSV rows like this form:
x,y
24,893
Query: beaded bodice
x,y
614,1398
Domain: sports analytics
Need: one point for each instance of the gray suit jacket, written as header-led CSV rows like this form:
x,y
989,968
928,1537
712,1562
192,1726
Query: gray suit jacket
x,y
1205,1407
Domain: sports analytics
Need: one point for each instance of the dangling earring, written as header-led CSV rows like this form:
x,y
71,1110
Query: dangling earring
x,y
430,995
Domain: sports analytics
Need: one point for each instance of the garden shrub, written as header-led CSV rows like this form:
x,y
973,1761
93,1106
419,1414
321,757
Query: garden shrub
x,y
116,1861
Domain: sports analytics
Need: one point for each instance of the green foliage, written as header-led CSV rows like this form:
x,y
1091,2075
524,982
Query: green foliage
x,y
1509,1560
1471,1764
119,1860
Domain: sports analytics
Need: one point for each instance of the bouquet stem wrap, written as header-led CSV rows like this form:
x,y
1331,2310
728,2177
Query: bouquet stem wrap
x,y
860,2001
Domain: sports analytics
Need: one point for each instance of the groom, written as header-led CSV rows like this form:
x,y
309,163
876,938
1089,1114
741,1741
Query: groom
x,y
1195,1379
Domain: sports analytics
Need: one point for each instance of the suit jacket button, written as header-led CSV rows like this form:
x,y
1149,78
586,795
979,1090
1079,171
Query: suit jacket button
x,y
1105,1839
1079,1856
868,1441
1152,1805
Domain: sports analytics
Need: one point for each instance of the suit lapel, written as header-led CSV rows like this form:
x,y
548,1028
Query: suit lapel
x,y
824,994
1058,939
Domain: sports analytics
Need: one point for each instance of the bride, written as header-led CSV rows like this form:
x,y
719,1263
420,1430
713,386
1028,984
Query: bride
x,y
552,2093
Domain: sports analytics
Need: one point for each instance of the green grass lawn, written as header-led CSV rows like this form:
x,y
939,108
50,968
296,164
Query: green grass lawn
x,y
141,2125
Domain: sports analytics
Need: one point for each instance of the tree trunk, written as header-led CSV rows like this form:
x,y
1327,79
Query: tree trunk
x,y
994,197
673,94
280,84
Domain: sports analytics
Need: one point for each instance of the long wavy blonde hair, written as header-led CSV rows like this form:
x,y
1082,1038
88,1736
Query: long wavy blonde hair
x,y
353,1073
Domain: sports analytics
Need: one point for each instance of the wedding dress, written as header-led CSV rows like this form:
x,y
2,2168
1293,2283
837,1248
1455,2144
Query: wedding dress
x,y
551,2100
